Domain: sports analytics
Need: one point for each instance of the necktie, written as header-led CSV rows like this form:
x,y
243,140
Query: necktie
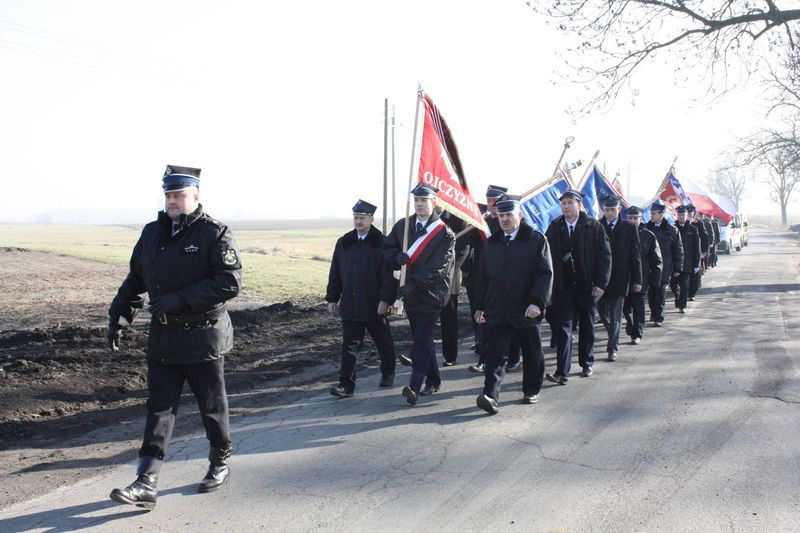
x,y
570,231
419,227
508,239
175,228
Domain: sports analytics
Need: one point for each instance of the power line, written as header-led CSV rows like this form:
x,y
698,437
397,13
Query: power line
x,y
92,61
77,42
100,67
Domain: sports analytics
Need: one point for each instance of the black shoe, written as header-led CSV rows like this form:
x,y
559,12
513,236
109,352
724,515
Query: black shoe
x,y
141,493
449,363
586,372
386,381
477,368
216,476
636,340
514,367
473,346
410,395
682,310
657,324
405,360
530,398
612,356
487,403
429,389
340,392
691,298
557,378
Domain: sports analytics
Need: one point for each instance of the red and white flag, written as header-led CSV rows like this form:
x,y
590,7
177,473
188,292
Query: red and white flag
x,y
440,166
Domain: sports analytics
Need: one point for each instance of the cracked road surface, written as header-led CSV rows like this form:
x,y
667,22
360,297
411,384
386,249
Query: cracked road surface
x,y
696,429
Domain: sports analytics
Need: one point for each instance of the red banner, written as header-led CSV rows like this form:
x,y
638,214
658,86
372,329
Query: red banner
x,y
439,166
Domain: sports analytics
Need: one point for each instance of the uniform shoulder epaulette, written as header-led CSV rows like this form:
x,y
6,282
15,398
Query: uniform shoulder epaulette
x,y
212,221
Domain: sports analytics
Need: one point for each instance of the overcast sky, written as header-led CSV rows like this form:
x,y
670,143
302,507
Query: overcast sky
x,y
281,104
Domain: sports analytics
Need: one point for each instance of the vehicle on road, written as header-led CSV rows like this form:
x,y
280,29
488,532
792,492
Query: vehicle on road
x,y
730,237
743,228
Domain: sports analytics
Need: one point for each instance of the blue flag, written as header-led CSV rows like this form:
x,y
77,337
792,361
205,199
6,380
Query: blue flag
x,y
543,207
596,187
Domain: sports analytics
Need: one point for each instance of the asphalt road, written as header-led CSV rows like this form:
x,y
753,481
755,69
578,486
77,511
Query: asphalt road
x,y
696,429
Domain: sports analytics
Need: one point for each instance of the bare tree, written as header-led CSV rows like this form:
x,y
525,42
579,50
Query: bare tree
x,y
783,177
614,38
729,181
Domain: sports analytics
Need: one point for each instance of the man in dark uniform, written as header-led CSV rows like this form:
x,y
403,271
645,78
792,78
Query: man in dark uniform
x,y
669,241
714,256
494,193
449,314
651,275
626,271
695,281
361,287
429,264
581,259
189,265
690,239
514,284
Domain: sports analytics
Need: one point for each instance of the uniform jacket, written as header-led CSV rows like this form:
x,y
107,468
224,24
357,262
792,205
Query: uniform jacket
x,y
702,236
593,252
626,259
359,277
201,263
669,240
709,232
462,249
651,258
473,260
691,246
513,276
429,277
715,228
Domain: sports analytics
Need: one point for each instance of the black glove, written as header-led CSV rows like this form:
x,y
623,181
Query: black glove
x,y
405,290
114,333
166,303
401,258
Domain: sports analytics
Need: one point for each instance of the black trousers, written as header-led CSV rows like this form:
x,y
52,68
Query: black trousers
x,y
610,309
682,286
448,317
165,383
695,281
656,299
529,341
423,361
353,336
478,329
565,307
633,308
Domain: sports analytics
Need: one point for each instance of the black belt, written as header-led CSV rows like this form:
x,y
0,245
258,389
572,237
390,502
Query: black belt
x,y
192,320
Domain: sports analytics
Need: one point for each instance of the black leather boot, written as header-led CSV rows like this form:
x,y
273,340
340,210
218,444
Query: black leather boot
x,y
141,493
218,470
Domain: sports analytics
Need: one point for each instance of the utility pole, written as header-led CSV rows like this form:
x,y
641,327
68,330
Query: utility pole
x,y
385,160
394,187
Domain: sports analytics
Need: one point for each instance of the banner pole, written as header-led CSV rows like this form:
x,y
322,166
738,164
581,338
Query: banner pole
x,y
385,163
412,171
588,169
552,178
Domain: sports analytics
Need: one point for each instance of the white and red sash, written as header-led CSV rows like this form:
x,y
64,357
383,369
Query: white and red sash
x,y
433,229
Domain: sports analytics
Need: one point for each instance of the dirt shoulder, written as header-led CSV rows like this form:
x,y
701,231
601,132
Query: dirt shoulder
x,y
71,408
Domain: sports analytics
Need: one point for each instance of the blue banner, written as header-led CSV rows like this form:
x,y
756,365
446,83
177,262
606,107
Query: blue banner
x,y
594,189
543,207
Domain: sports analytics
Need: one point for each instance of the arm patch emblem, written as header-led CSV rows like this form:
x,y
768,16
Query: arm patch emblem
x,y
229,257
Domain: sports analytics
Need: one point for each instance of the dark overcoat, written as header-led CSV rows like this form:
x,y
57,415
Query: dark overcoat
x,y
513,276
626,259
200,263
651,258
691,247
359,277
593,261
428,278
669,240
